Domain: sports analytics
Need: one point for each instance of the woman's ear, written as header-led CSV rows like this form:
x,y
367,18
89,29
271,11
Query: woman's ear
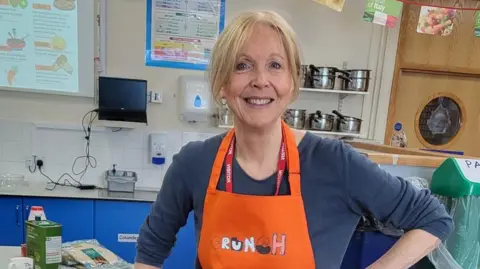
x,y
221,93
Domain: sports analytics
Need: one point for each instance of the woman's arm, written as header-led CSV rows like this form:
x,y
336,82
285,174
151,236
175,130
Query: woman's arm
x,y
394,200
168,214
412,247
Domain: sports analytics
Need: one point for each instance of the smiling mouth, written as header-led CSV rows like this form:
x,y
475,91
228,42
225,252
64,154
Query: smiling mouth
x,y
258,101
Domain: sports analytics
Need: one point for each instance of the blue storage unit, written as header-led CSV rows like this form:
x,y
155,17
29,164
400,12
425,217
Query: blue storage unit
x,y
114,223
352,257
184,252
374,245
75,215
117,224
365,248
11,224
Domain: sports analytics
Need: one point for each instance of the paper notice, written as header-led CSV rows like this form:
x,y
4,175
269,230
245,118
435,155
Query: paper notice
x,y
336,5
436,21
383,12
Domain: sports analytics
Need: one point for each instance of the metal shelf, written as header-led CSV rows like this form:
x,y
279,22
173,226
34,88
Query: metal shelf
x,y
332,91
311,131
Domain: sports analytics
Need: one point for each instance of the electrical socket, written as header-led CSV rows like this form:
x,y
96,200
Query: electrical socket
x,y
31,162
44,162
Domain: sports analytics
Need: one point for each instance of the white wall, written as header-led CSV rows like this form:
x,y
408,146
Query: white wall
x,y
327,38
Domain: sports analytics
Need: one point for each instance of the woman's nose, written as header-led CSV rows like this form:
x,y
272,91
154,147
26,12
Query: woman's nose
x,y
260,79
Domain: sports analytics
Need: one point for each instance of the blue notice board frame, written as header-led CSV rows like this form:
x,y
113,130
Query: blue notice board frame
x,y
173,64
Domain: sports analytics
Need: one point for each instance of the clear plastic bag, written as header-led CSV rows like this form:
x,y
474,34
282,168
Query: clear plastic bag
x,y
442,259
462,248
91,254
418,182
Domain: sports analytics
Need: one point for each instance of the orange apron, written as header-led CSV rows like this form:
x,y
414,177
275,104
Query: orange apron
x,y
248,231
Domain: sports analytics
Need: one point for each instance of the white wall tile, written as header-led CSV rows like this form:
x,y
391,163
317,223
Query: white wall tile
x,y
11,131
127,149
13,151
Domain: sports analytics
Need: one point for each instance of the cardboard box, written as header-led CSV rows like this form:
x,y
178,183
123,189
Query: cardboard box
x,y
44,243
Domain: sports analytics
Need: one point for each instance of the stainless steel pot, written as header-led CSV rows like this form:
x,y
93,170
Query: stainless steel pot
x,y
346,124
355,84
358,73
323,82
320,122
325,71
322,77
295,118
305,76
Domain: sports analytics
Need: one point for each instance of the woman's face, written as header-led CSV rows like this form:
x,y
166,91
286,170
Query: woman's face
x,y
261,86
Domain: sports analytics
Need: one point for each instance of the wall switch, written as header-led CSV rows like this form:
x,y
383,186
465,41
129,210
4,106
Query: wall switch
x,y
156,97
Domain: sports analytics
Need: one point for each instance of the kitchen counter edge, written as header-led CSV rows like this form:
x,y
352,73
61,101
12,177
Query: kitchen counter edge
x,y
38,190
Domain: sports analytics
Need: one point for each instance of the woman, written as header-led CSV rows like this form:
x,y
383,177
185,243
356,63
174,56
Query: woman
x,y
266,196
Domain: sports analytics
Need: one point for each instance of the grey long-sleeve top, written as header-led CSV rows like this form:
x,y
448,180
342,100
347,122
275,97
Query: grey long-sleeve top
x,y
338,185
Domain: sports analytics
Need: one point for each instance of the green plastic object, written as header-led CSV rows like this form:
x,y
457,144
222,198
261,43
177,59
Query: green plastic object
x,y
457,178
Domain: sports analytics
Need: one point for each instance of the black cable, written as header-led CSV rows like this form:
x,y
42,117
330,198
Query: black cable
x,y
90,161
34,165
66,182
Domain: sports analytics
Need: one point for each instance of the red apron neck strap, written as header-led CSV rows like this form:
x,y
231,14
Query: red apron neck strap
x,y
292,160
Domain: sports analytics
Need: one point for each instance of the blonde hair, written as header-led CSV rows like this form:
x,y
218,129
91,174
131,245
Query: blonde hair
x,y
230,43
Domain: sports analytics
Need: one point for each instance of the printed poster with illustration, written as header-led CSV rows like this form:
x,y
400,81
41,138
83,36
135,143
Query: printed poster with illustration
x,y
336,5
383,12
436,20
477,24
39,44
182,33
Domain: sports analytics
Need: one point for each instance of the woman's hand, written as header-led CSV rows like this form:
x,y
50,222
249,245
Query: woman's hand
x,y
412,247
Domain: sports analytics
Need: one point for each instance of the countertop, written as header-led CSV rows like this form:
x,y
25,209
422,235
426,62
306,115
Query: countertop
x,y
388,155
38,190
6,253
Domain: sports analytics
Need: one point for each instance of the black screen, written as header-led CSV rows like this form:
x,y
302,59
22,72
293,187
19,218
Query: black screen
x,y
122,99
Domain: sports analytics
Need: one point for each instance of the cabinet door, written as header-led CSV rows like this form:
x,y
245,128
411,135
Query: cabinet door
x,y
12,224
75,215
117,224
184,252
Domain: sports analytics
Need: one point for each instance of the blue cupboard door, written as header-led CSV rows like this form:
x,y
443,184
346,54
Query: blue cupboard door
x,y
184,253
11,224
117,224
75,215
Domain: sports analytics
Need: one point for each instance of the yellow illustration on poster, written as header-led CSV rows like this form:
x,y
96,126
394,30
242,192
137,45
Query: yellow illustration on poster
x,y
182,33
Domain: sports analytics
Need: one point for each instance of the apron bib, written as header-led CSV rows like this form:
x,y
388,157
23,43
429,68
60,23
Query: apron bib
x,y
248,231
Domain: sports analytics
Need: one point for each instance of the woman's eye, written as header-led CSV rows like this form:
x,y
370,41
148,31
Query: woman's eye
x,y
276,65
242,66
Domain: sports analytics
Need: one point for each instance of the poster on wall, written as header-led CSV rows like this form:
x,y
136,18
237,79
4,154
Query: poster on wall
x,y
383,12
436,21
182,33
477,24
336,5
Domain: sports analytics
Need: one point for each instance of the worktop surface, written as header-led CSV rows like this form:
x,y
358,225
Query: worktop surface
x,y
39,190
6,253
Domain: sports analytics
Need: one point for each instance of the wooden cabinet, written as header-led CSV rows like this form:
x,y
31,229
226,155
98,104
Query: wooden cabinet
x,y
435,91
457,52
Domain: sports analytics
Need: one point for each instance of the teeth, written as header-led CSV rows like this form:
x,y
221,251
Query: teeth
x,y
258,101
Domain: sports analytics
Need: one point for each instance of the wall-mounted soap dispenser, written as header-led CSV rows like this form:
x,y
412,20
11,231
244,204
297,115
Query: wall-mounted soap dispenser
x,y
158,144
